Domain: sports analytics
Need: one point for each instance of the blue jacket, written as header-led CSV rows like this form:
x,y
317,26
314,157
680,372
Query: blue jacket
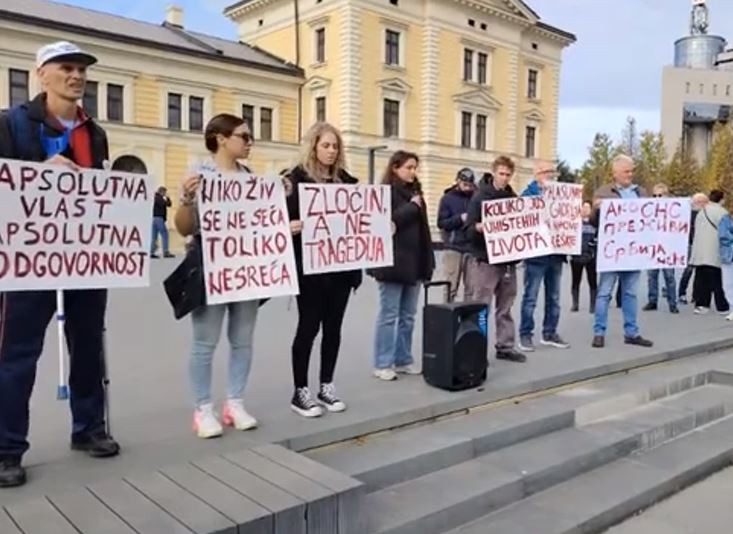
x,y
453,204
725,239
533,189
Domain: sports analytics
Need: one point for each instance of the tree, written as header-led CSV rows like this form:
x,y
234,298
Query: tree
x,y
718,172
597,168
682,175
565,174
650,159
629,143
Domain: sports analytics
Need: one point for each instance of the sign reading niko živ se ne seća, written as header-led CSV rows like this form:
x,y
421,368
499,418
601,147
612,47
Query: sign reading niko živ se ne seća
x,y
247,245
66,229
645,233
345,227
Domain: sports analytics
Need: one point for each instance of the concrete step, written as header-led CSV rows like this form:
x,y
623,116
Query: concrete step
x,y
601,498
448,497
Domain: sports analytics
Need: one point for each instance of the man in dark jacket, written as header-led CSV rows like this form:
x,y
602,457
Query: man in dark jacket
x,y
160,217
539,270
486,280
452,215
52,128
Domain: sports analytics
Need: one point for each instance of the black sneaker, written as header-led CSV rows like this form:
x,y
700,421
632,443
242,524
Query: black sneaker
x,y
554,340
12,473
526,344
98,445
154,256
303,403
683,300
327,397
674,309
511,355
598,342
651,306
638,341
169,255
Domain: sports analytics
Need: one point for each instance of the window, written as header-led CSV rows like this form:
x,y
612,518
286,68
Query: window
x,y
715,90
481,132
530,137
321,108
471,22
687,88
482,61
195,113
727,90
466,129
320,45
483,26
115,107
392,48
467,65
248,115
532,78
174,111
391,118
90,100
535,46
394,2
18,87
702,88
266,124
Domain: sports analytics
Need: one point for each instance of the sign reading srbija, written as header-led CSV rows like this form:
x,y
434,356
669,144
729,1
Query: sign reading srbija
x,y
515,229
646,233
345,227
67,229
247,245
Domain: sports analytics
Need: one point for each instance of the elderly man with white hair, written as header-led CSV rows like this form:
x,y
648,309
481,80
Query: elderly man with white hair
x,y
623,187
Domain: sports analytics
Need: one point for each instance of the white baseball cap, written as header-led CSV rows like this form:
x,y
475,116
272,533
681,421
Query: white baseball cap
x,y
63,50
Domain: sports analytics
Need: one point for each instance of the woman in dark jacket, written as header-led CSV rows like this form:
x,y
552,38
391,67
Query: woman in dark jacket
x,y
399,287
585,261
323,297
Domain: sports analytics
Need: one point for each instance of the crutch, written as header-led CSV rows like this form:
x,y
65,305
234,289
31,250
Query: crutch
x,y
62,391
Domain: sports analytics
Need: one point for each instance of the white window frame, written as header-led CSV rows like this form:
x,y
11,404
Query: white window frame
x,y
538,91
537,136
400,47
186,92
477,48
316,29
490,115
401,97
259,102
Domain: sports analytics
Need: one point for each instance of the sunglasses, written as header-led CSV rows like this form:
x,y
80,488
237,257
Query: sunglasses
x,y
247,138
657,196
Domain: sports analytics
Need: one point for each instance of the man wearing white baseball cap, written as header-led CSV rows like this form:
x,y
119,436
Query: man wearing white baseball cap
x,y
52,128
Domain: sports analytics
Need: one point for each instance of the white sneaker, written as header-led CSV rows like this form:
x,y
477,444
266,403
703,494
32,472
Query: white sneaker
x,y
205,423
385,374
234,414
407,370
701,311
303,404
729,317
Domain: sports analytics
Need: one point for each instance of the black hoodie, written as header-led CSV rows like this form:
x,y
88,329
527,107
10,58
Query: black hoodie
x,y
486,191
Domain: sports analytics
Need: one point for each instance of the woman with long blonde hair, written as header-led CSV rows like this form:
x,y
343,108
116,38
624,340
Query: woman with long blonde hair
x,y
323,297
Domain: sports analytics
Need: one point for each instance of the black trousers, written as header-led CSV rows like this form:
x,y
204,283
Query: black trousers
x,y
24,318
685,280
709,282
577,269
320,308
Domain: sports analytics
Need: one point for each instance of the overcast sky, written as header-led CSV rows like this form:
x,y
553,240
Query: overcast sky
x,y
613,71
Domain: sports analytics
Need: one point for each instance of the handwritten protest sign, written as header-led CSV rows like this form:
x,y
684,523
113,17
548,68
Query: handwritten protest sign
x,y
247,245
66,229
639,234
345,227
516,229
564,205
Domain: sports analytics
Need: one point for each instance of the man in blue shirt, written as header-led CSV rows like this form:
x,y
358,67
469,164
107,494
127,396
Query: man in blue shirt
x,y
547,269
622,187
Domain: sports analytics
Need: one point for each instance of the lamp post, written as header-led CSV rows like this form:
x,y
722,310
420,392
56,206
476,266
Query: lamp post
x,y
371,151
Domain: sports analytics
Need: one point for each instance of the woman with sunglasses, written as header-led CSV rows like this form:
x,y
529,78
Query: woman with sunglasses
x,y
228,139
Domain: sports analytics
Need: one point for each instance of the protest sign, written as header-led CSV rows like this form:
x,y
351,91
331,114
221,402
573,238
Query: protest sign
x,y
345,227
247,245
67,229
640,234
564,205
516,229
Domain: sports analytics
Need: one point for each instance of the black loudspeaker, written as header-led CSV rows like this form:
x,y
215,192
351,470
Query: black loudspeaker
x,y
455,343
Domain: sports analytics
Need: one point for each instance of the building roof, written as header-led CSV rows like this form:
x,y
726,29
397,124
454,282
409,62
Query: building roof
x,y
164,36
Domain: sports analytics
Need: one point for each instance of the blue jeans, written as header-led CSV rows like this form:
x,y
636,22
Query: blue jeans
x,y
628,283
534,274
395,323
653,282
207,322
159,229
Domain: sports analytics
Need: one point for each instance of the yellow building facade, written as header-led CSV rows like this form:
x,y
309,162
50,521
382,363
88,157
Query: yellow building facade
x,y
156,86
457,81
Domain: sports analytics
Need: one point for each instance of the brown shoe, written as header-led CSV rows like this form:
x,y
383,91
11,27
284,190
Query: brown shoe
x,y
598,342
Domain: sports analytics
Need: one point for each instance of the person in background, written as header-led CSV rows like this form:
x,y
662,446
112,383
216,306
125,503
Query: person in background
x,y
323,297
160,218
452,215
585,261
228,139
706,257
623,187
725,241
414,262
540,270
660,191
699,200
488,282
59,133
